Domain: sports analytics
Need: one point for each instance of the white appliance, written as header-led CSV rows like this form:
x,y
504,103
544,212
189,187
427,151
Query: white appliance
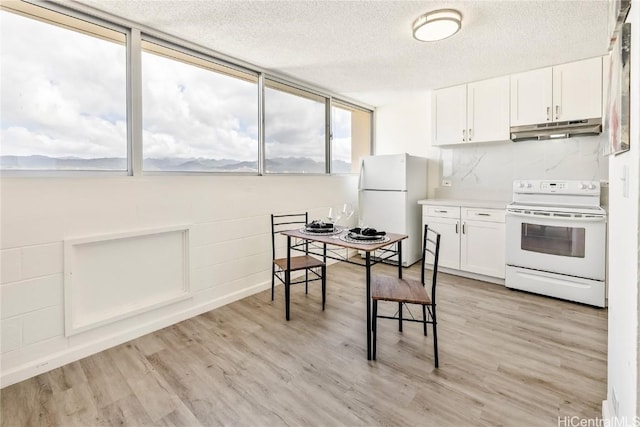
x,y
556,240
389,189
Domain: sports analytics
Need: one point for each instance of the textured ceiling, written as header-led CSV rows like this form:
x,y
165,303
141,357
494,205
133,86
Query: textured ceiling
x,y
365,50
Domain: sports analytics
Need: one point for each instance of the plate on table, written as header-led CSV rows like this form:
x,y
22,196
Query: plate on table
x,y
359,238
321,231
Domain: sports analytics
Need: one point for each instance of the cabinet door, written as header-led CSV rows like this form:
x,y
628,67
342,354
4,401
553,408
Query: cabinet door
x,y
449,115
449,230
488,110
531,97
482,248
577,90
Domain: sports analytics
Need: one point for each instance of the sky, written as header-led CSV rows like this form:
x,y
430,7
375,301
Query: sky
x,y
63,95
48,105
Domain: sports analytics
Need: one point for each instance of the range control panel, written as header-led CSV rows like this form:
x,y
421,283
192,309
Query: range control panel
x,y
560,187
553,186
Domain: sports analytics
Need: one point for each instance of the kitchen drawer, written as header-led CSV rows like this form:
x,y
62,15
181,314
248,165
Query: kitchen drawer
x,y
488,215
441,211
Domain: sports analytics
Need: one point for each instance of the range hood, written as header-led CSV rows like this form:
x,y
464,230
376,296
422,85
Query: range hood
x,y
557,130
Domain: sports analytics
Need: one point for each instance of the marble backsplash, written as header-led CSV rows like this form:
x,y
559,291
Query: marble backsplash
x,y
487,171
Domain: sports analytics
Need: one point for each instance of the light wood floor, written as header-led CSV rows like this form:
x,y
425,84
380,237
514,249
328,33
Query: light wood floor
x,y
506,358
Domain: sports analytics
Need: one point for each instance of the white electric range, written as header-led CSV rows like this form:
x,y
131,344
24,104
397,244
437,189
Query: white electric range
x,y
556,240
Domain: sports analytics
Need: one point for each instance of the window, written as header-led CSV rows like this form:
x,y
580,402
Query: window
x,y
198,116
294,130
350,137
67,88
63,92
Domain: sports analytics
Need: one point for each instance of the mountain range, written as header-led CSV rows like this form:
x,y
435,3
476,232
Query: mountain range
x,y
273,165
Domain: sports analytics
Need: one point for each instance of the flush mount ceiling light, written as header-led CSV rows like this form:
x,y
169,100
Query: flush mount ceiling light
x,y
437,25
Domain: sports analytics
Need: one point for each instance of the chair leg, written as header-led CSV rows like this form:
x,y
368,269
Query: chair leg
x,y
400,316
435,336
273,275
287,293
424,319
374,328
324,285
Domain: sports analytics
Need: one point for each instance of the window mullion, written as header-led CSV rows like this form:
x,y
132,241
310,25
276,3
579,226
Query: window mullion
x,y
328,135
134,102
261,139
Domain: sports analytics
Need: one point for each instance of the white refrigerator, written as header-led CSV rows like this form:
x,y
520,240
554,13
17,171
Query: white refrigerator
x,y
389,189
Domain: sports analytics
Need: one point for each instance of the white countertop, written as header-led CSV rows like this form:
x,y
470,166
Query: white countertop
x,y
467,203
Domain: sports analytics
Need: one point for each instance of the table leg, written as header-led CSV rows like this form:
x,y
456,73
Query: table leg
x,y
324,275
400,277
287,279
324,253
368,281
400,259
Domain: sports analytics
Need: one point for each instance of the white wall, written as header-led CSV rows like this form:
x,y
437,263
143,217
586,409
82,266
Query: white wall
x,y
624,259
405,127
230,249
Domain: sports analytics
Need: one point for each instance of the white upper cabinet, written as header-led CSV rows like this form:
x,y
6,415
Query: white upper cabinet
x,y
474,112
488,110
577,90
449,115
531,94
565,92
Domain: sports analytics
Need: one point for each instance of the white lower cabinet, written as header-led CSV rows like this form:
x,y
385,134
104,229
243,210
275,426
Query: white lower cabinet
x,y
472,239
446,221
482,242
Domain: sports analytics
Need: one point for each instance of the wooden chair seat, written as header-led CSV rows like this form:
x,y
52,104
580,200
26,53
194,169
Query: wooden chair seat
x,y
389,288
298,262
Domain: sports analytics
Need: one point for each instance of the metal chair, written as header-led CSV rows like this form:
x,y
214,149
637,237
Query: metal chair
x,y
314,269
408,291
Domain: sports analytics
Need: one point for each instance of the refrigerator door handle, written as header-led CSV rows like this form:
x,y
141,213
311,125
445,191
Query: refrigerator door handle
x,y
361,174
360,209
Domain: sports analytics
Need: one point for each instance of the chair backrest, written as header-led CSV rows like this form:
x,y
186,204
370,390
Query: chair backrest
x,y
431,245
285,222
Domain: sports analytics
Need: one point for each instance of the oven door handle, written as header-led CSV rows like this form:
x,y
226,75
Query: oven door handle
x,y
554,217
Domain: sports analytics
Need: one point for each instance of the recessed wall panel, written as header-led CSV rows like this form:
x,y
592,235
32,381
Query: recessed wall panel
x,y
116,276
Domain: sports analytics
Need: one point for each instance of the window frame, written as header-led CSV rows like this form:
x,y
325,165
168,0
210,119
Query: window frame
x,y
53,14
303,92
218,66
346,105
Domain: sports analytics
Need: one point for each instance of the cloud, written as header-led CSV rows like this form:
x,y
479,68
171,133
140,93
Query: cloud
x,y
192,112
64,95
294,126
341,130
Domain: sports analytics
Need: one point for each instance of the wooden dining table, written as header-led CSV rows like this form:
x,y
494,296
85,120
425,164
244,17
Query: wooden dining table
x,y
387,251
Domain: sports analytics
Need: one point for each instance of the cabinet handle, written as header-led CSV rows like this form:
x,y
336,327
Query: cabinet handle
x,y
457,223
557,113
463,134
470,133
483,214
548,113
463,228
440,211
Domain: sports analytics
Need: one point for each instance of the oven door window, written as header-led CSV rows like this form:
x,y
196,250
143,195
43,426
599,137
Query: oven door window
x,y
553,240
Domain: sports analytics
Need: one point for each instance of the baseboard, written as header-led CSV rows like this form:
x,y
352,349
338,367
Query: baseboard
x,y
469,275
61,358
